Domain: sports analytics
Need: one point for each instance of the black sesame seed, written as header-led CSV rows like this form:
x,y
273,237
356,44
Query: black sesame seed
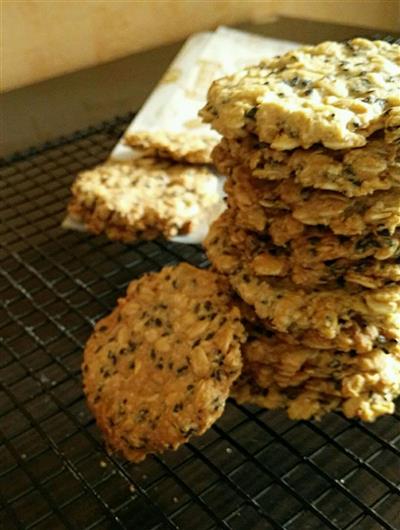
x,y
340,281
294,81
216,375
187,432
251,113
141,415
178,407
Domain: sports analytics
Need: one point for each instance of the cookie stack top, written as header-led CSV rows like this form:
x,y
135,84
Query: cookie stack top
x,y
311,237
335,94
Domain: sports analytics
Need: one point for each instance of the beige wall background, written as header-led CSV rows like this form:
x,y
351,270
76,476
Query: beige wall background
x,y
46,38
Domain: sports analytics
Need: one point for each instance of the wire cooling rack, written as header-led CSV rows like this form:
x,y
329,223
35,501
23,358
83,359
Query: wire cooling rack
x,y
254,469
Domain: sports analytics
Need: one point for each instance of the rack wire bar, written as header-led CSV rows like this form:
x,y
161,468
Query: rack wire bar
x,y
254,469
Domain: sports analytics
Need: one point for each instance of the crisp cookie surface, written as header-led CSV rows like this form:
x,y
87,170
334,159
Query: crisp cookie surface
x,y
143,198
347,317
310,382
353,172
318,244
263,202
159,368
357,339
336,94
314,244
229,247
182,147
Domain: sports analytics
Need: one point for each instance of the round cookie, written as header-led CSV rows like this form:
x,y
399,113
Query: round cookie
x,y
264,203
356,339
229,247
143,199
352,172
318,244
311,382
315,244
159,368
336,94
347,318
312,402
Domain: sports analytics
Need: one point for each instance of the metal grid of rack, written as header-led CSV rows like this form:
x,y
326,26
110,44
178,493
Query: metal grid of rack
x,y
254,469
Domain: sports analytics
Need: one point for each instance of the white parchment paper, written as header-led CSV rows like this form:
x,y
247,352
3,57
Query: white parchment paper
x,y
175,102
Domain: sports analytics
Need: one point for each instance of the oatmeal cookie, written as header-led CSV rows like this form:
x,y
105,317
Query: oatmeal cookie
x,y
263,202
313,244
350,317
229,247
319,244
353,172
142,199
310,382
182,147
159,368
336,94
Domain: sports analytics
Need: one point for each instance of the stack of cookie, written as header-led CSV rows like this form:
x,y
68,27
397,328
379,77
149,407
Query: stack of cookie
x,y
310,241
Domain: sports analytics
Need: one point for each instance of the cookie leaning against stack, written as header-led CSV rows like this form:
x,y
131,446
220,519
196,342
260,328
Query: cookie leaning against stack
x,y
311,238
159,368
